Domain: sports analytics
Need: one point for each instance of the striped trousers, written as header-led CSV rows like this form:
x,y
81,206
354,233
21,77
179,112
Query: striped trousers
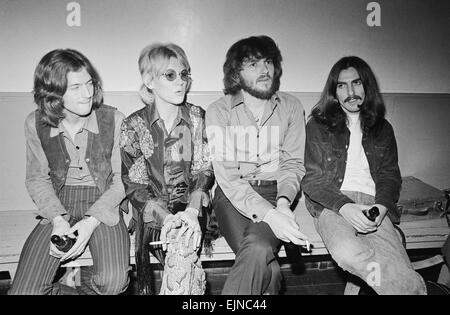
x,y
109,247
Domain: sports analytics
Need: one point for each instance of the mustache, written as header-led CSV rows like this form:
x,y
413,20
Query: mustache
x,y
352,98
264,77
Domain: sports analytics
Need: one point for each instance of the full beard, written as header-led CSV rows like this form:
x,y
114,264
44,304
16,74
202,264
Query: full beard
x,y
261,94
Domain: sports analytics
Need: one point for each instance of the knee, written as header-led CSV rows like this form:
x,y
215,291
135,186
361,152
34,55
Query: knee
x,y
111,283
351,256
256,248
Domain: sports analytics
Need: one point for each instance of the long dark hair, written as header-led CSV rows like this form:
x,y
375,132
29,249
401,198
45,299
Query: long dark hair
x,y
329,112
50,82
252,47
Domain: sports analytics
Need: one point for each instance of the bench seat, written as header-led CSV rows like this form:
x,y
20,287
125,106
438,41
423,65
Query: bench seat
x,y
15,226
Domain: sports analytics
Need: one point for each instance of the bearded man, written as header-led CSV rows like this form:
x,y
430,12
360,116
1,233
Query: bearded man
x,y
256,137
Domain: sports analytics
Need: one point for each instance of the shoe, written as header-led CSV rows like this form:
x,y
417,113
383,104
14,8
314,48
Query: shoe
x,y
434,288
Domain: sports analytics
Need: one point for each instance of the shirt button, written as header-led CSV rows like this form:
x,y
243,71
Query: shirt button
x,y
87,160
80,168
254,216
340,180
77,147
241,177
328,159
67,161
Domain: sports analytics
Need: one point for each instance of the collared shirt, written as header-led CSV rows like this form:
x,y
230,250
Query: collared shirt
x,y
244,149
162,168
38,181
78,173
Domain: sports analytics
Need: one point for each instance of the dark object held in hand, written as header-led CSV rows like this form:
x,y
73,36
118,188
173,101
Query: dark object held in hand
x,y
63,242
372,213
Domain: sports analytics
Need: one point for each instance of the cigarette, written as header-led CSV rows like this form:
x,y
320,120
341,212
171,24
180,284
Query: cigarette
x,y
155,243
308,246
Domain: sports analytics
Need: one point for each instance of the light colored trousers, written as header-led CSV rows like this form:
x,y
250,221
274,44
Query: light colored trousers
x,y
378,258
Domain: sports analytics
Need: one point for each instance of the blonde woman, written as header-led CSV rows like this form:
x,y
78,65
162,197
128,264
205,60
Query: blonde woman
x,y
166,169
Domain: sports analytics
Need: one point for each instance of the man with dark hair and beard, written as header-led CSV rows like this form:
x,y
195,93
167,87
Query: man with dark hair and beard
x,y
352,166
256,137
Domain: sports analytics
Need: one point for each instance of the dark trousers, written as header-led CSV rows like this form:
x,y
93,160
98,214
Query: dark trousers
x,y
109,247
256,270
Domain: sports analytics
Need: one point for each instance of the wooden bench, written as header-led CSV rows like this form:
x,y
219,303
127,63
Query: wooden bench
x,y
15,226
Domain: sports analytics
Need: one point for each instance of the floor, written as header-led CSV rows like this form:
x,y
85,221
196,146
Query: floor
x,y
315,276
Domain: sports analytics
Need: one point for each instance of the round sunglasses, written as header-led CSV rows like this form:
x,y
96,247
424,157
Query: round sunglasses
x,y
171,75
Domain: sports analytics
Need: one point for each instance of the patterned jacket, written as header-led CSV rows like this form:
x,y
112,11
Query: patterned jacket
x,y
161,169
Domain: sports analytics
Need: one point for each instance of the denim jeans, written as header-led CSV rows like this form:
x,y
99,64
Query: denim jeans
x,y
378,258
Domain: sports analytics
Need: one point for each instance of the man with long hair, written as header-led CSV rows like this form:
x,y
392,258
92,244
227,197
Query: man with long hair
x,y
352,166
73,176
256,136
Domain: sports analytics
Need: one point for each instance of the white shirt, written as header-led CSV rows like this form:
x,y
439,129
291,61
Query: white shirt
x,y
357,172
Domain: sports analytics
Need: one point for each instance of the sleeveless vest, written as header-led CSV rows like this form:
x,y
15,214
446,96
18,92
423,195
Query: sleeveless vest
x,y
98,151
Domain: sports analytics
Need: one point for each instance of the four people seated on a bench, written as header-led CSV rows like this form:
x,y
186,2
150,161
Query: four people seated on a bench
x,y
258,148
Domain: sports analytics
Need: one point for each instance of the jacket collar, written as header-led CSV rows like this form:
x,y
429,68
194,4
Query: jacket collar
x,y
183,114
90,125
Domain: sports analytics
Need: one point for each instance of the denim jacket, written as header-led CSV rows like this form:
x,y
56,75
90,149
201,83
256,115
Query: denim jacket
x,y
325,162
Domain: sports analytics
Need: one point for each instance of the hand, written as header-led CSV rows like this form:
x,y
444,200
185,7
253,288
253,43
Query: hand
x,y
153,206
284,207
85,228
197,199
285,228
383,212
60,226
187,223
353,214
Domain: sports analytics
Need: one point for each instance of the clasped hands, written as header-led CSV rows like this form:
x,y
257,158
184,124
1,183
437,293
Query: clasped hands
x,y
184,224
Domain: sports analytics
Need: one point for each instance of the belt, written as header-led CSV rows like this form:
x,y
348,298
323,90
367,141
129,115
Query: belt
x,y
262,182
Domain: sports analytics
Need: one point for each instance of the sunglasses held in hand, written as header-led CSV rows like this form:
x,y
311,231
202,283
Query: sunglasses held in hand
x,y
171,75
